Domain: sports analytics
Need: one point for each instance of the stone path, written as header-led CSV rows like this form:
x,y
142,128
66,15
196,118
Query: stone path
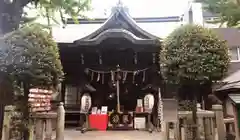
x,y
112,135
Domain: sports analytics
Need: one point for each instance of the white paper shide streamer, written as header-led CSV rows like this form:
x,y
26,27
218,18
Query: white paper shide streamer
x,y
160,108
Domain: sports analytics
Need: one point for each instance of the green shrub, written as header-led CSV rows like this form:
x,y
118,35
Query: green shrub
x,y
193,55
32,57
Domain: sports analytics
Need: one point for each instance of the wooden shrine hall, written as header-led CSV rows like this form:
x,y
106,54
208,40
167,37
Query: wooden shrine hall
x,y
116,66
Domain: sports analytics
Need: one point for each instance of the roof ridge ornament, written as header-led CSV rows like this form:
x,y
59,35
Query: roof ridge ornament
x,y
120,7
120,3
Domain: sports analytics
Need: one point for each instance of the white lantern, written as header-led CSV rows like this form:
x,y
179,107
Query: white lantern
x,y
86,103
148,103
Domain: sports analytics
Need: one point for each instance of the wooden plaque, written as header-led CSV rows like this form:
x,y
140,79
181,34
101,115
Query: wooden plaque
x,y
170,110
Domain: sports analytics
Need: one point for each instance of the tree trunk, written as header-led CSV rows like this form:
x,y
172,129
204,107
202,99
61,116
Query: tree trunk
x,y
25,110
6,97
10,14
1,118
10,18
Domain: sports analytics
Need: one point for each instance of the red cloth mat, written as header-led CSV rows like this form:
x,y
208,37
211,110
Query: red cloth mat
x,y
98,121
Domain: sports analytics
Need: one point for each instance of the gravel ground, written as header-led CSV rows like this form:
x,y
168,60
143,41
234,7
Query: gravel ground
x,y
111,135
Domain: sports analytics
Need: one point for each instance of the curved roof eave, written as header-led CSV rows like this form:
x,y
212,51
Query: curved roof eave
x,y
98,31
104,27
118,33
133,23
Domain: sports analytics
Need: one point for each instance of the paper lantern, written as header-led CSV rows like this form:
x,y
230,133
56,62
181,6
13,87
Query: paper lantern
x,y
148,103
86,103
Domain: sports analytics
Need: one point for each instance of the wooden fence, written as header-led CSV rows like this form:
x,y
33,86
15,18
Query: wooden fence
x,y
211,125
41,125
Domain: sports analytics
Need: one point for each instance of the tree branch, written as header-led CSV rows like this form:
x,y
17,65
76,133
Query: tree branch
x,y
25,2
238,2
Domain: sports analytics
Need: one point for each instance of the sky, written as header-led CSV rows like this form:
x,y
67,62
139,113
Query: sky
x,y
141,8
137,8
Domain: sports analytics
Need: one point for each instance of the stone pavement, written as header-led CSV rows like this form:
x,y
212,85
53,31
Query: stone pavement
x,y
111,135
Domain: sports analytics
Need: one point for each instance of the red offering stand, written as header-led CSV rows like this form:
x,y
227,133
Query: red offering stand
x,y
98,121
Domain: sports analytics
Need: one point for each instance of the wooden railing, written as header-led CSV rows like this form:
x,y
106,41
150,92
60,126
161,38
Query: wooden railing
x,y
205,122
211,125
41,125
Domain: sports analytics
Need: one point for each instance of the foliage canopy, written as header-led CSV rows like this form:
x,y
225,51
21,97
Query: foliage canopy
x,y
193,55
12,11
31,56
73,8
227,10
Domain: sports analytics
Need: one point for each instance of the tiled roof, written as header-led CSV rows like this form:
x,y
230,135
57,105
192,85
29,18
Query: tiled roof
x,y
232,81
233,67
235,98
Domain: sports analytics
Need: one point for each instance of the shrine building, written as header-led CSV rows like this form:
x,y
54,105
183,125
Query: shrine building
x,y
115,65
115,62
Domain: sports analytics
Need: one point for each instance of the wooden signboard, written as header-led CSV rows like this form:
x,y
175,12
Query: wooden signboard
x,y
39,100
170,110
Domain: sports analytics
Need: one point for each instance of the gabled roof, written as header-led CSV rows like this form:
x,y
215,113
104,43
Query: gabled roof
x,y
137,20
119,25
231,82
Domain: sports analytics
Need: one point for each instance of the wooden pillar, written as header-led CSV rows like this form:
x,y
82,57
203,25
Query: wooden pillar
x,y
6,122
166,131
63,90
218,109
207,129
31,129
236,129
200,124
118,98
87,121
213,129
149,124
118,88
48,135
39,129
174,131
177,130
60,122
183,129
